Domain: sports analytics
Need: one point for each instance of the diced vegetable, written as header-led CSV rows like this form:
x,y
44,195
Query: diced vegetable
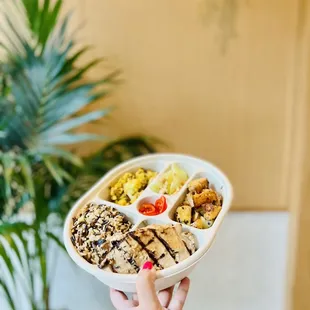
x,y
184,214
199,223
212,213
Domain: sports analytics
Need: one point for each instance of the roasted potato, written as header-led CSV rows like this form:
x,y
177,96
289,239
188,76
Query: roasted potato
x,y
206,196
198,185
212,212
184,214
195,215
199,223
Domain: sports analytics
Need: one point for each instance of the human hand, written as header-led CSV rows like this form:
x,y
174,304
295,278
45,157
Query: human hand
x,y
147,298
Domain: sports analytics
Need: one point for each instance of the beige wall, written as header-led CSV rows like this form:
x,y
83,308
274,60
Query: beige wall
x,y
211,77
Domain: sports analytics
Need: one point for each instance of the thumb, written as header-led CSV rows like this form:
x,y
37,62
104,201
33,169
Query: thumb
x,y
146,291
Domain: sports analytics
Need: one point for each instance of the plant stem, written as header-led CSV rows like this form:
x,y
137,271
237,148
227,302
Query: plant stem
x,y
46,298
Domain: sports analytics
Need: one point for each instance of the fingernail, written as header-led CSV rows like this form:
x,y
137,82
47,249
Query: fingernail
x,y
147,265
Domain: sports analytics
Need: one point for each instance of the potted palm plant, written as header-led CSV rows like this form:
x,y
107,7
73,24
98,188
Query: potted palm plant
x,y
43,93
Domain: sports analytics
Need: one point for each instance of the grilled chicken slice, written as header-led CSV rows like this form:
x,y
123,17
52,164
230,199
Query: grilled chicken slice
x,y
158,251
120,261
170,236
164,245
189,241
127,255
139,254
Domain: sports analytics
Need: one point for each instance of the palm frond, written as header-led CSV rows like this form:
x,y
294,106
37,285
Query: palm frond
x,y
47,89
56,239
7,294
14,251
42,17
118,151
23,246
43,93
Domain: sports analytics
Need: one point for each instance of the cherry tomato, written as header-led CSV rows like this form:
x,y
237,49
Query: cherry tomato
x,y
148,209
161,204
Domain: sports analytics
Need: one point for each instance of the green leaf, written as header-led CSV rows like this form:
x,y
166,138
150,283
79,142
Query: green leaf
x,y
7,294
53,151
8,230
69,65
116,152
26,278
68,139
11,46
9,266
56,240
57,38
32,10
44,31
27,173
8,165
13,246
53,170
75,122
55,13
41,254
44,92
70,103
80,73
56,63
57,172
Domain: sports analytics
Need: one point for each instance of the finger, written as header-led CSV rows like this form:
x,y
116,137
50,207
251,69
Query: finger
x,y
134,296
179,298
164,296
146,288
120,300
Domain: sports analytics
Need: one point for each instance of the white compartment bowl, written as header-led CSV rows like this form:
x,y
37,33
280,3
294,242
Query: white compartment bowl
x,y
160,162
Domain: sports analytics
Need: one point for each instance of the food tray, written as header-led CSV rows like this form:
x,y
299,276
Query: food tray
x,y
99,193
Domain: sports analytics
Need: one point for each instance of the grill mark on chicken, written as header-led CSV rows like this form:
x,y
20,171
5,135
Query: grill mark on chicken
x,y
150,253
159,244
120,260
188,250
165,244
155,246
151,240
119,245
132,262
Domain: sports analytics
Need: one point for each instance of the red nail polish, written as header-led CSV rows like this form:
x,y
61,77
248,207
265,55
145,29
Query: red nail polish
x,y
147,265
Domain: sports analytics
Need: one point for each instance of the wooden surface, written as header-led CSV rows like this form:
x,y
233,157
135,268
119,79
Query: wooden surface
x,y
212,78
298,284
299,247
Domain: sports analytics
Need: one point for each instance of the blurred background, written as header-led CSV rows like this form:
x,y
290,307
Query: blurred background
x,y
85,85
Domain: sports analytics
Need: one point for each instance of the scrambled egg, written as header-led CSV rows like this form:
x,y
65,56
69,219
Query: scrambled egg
x,y
129,186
